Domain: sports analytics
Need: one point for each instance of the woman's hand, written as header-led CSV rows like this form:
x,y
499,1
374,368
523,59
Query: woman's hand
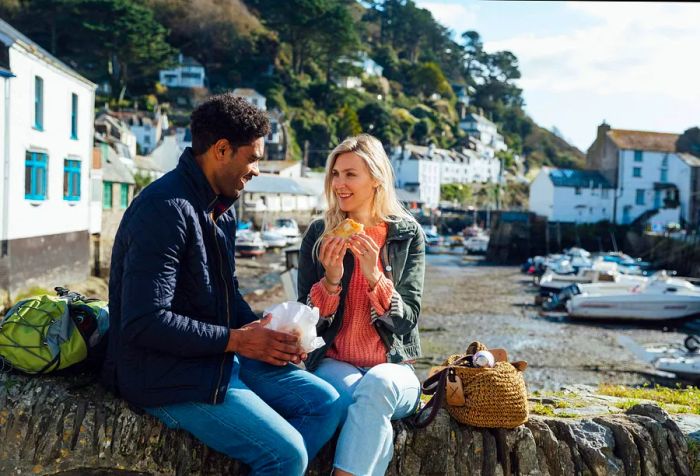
x,y
331,254
367,253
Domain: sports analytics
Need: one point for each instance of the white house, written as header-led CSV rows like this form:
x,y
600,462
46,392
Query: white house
x,y
47,132
655,183
485,132
148,127
117,132
579,196
188,73
281,168
252,96
423,169
168,152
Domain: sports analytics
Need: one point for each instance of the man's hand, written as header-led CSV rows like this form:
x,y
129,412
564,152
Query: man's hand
x,y
257,342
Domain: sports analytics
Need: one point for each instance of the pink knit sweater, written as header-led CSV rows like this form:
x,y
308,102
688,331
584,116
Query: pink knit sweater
x,y
358,342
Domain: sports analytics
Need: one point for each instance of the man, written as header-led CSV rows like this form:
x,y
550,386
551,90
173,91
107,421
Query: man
x,y
184,345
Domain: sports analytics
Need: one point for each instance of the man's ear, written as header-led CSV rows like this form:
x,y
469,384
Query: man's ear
x,y
220,148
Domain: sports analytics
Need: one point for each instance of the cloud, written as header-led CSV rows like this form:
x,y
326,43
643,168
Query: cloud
x,y
627,48
456,16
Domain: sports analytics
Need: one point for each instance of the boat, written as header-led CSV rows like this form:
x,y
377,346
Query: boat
x,y
288,228
249,243
434,243
660,298
681,360
602,272
273,239
476,244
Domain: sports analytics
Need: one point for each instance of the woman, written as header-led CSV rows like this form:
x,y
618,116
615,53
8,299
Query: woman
x,y
368,290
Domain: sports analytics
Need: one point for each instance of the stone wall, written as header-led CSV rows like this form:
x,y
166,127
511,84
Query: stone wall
x,y
47,426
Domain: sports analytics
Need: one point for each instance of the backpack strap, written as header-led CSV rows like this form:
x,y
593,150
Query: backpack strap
x,y
433,385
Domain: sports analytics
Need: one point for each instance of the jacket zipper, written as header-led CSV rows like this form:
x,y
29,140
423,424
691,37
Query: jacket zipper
x,y
228,316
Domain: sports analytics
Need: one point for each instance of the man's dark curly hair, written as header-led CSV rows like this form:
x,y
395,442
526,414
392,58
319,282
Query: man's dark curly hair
x,y
226,116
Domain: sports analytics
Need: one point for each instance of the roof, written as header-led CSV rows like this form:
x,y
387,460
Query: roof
x,y
644,140
578,178
265,183
406,196
277,165
189,61
146,163
246,92
10,36
114,170
472,117
689,159
421,152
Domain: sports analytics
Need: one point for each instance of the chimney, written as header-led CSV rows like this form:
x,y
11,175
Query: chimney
x,y
603,130
431,150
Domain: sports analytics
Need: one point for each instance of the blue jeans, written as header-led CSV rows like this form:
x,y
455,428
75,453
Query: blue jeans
x,y
371,398
274,419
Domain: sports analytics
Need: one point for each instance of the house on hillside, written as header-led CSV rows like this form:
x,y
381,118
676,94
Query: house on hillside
x,y
485,132
46,129
188,73
252,96
654,182
148,127
281,168
577,196
118,134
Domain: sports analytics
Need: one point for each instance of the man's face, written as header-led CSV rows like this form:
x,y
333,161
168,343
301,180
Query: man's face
x,y
238,166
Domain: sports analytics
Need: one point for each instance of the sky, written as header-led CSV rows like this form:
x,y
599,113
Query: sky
x,y
634,65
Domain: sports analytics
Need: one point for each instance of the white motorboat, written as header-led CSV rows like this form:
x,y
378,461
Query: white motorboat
x,y
660,298
287,227
478,244
602,273
273,239
681,360
685,366
249,243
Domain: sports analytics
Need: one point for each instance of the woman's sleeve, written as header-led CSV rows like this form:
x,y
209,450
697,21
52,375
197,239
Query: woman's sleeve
x,y
404,309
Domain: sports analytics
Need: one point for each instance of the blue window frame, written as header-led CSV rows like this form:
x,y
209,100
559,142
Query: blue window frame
x,y
38,103
637,155
664,175
74,116
639,197
71,180
106,195
636,171
35,171
124,197
657,198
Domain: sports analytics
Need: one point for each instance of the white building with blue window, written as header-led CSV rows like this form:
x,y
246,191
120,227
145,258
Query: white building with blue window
x,y
655,183
575,196
188,73
47,133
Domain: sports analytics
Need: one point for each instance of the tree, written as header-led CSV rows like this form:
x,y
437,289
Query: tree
x,y
428,79
348,123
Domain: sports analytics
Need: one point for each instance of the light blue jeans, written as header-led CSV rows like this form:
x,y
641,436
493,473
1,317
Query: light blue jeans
x,y
274,419
371,398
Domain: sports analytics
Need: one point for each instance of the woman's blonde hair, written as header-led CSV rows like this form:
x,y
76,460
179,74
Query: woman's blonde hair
x,y
385,205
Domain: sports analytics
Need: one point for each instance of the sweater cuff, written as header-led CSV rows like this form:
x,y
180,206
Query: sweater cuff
x,y
380,296
326,302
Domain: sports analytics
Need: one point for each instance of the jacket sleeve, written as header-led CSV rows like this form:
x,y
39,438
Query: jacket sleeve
x,y
404,310
156,242
307,275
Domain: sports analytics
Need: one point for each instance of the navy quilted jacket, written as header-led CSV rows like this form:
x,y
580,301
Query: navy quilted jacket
x,y
173,293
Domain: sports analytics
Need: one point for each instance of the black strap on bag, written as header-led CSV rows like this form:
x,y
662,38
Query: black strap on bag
x,y
435,386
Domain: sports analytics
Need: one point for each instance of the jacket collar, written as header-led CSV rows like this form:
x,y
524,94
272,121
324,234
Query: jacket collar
x,y
188,166
400,229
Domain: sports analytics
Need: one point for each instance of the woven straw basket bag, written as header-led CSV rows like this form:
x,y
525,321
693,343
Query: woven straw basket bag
x,y
482,397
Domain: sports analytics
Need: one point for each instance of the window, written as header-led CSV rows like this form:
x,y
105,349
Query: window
x,y
35,170
38,103
124,196
71,180
147,139
74,116
664,175
605,193
637,155
191,76
636,171
577,190
657,198
639,197
107,195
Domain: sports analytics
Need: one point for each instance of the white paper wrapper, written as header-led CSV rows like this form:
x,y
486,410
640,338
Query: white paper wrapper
x,y
296,318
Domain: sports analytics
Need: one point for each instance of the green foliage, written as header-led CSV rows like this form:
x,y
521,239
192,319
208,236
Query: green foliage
x,y
348,123
456,192
141,181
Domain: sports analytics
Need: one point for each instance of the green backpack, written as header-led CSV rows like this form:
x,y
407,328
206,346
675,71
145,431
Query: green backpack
x,y
45,333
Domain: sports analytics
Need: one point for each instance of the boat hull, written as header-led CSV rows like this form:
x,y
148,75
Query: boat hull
x,y
631,307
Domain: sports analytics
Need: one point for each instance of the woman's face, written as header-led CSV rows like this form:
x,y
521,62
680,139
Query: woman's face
x,y
352,183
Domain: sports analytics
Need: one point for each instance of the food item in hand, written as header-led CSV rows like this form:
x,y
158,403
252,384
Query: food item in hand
x,y
347,228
